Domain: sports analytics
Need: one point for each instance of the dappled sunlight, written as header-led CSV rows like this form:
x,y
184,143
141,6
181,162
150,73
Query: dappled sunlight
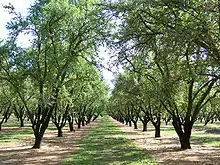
x,y
166,149
107,145
52,151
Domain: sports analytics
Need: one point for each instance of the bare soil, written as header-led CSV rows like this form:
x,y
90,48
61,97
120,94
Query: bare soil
x,y
166,149
53,149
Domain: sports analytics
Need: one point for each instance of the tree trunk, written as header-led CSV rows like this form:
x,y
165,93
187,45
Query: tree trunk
x,y
135,124
83,122
79,124
157,131
206,122
71,126
130,124
37,142
184,137
21,122
185,142
60,132
144,126
126,123
0,126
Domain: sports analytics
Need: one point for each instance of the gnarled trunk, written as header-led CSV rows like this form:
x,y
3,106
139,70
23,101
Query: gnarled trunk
x,y
184,135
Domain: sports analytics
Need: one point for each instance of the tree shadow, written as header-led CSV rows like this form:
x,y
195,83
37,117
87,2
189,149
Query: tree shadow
x,y
166,149
53,149
107,145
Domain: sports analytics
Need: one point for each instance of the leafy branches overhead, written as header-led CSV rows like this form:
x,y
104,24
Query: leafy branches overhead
x,y
173,47
47,75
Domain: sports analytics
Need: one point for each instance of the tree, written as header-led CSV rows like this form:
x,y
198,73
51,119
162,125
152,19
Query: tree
x,y
5,103
170,41
62,31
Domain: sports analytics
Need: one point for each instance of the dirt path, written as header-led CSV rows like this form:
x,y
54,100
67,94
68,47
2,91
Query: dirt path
x,y
166,149
53,148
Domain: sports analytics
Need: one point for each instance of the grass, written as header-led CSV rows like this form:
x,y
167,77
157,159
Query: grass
x,y
206,139
12,135
107,145
199,134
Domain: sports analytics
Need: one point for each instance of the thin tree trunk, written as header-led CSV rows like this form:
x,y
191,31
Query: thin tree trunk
x,y
83,122
60,132
157,131
79,124
130,124
21,122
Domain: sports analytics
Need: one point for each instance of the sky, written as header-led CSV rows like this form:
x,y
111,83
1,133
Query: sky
x,y
22,6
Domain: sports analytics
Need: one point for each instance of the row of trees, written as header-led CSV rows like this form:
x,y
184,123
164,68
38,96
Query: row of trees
x,y
55,79
168,49
170,54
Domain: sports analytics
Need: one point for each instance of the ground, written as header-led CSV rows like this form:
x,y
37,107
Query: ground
x,y
165,150
53,149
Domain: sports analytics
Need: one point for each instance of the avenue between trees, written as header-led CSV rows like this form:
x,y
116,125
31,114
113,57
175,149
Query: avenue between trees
x,y
169,52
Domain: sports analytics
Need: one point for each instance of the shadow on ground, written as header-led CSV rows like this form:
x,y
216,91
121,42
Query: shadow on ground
x,y
108,145
53,149
166,149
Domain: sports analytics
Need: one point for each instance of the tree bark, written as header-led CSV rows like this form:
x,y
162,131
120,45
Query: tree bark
x,y
157,131
79,125
185,142
184,137
144,126
130,124
60,132
135,124
83,122
71,126
21,122
37,142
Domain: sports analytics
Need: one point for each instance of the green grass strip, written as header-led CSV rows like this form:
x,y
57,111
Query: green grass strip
x,y
7,137
107,145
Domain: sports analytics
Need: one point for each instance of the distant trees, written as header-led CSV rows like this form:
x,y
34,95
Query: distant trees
x,y
174,47
64,39
169,51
